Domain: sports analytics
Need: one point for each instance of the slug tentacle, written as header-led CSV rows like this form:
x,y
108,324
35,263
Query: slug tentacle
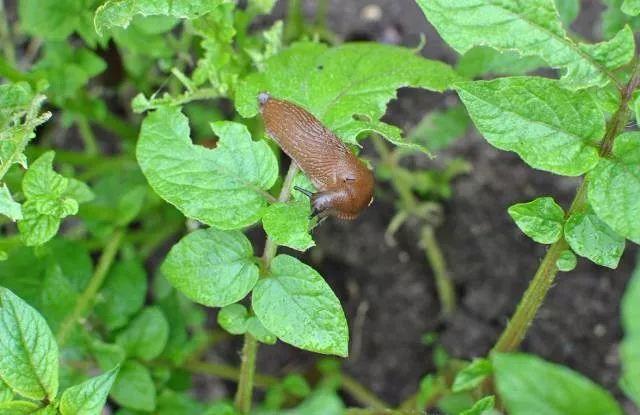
x,y
345,185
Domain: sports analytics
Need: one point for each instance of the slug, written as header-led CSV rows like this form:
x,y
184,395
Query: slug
x,y
345,184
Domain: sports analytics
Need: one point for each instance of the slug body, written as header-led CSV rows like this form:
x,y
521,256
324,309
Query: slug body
x,y
345,184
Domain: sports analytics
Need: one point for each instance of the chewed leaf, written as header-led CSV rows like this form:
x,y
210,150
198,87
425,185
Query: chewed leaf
x,y
224,187
120,12
531,28
346,87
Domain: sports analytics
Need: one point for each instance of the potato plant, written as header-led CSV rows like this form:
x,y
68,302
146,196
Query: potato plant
x,y
135,174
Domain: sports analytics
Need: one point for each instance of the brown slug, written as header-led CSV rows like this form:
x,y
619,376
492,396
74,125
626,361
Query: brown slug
x,y
345,184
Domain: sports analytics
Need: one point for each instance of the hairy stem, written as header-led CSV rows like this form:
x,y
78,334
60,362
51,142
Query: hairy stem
x,y
543,279
87,297
250,348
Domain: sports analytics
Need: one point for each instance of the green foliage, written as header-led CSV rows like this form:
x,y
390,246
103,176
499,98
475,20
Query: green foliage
x,y
630,346
541,219
288,224
481,407
550,127
531,29
88,398
297,305
567,261
529,385
591,238
472,375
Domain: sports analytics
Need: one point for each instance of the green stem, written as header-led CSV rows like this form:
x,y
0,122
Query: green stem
x,y
88,138
228,372
86,298
362,394
250,348
5,35
444,286
544,277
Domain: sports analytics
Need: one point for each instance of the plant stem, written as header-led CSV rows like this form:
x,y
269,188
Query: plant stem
x,y
87,297
543,279
250,348
362,394
228,372
88,138
444,286
5,35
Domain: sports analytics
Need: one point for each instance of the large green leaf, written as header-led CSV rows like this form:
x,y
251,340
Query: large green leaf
x,y
614,184
146,336
212,267
346,87
28,351
551,128
591,238
222,187
530,386
298,306
630,346
134,387
88,398
531,28
120,12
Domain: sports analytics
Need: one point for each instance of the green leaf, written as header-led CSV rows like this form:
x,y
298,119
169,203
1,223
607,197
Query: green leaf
x,y
480,407
568,10
28,351
567,261
134,388
614,19
532,28
288,224
591,238
233,318
107,355
18,408
8,206
257,330
631,7
222,187
146,336
6,394
298,306
211,267
15,100
614,184
57,19
88,398
122,294
540,219
528,385
482,60
120,12
630,346
346,87
472,375
551,128
439,129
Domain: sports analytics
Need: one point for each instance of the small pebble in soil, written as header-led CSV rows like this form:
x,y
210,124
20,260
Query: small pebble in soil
x,y
371,13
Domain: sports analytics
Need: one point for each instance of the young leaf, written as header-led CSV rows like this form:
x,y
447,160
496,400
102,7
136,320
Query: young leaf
x,y
48,201
146,336
630,346
567,261
531,28
233,318
257,330
134,388
631,7
480,407
28,351
88,398
614,19
288,224
438,129
120,12
472,375
107,355
591,238
211,267
614,184
8,206
551,128
540,219
528,385
222,187
122,294
57,19
298,306
346,87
